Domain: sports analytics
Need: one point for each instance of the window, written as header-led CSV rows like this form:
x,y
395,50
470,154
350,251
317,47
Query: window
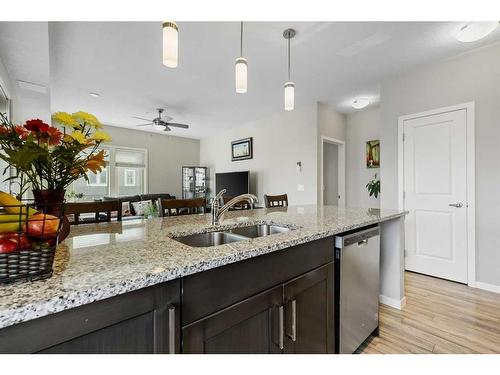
x,y
129,179
125,174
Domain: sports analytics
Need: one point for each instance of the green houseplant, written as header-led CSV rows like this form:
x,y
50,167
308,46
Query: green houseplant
x,y
373,186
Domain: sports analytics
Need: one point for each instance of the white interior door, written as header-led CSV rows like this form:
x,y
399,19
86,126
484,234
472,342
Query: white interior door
x,y
435,193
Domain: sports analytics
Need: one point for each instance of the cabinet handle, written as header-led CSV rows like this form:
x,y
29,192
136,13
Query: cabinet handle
x,y
293,335
281,313
171,330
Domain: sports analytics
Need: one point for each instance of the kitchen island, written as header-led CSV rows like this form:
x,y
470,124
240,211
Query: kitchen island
x,y
113,281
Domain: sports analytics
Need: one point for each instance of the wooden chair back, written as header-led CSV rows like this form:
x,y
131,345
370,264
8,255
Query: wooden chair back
x,y
169,207
276,200
75,209
243,205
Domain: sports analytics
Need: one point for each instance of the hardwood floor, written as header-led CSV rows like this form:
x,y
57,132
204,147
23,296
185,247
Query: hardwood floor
x,y
439,317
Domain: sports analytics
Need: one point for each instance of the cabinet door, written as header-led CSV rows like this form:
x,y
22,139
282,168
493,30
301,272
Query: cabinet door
x,y
309,317
253,326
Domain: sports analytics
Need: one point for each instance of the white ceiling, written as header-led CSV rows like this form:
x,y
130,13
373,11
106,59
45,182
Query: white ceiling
x,y
333,62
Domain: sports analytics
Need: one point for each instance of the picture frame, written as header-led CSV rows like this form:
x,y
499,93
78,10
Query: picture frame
x,y
373,154
242,149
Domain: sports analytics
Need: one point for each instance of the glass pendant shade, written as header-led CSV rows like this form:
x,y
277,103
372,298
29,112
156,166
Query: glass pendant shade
x,y
241,71
170,44
289,96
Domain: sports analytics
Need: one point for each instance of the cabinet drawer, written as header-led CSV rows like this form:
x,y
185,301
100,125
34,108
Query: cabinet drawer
x,y
207,292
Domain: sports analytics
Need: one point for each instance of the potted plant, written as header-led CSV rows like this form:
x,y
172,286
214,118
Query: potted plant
x,y
373,186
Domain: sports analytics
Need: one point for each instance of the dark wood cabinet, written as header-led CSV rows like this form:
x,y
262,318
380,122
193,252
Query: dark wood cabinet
x,y
143,321
250,326
309,317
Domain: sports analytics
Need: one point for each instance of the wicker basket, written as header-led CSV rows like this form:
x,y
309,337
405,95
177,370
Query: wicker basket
x,y
28,242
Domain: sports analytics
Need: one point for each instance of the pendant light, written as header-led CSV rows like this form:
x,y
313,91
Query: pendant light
x,y
170,44
241,68
289,85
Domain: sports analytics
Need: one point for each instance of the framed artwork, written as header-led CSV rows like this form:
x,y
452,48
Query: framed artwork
x,y
373,154
242,149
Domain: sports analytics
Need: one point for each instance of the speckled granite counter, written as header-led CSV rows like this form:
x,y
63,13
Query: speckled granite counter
x,y
103,260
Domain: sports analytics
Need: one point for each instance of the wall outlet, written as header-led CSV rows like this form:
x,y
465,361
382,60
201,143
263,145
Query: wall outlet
x,y
300,187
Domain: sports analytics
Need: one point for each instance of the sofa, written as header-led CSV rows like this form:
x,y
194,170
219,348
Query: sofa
x,y
137,198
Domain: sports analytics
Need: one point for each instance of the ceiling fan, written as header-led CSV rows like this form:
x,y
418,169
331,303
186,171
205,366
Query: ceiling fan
x,y
161,121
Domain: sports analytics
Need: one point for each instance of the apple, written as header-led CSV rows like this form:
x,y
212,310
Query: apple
x,y
41,225
18,238
7,246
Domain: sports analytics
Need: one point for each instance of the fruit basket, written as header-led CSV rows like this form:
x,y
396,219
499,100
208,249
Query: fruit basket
x,y
29,234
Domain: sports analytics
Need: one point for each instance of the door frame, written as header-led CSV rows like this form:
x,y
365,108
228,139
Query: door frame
x,y
470,156
341,169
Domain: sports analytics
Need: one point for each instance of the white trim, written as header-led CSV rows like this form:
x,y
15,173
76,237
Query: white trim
x,y
397,304
471,168
341,169
489,287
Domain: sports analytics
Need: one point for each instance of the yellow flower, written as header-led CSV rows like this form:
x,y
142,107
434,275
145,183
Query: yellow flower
x,y
78,136
87,118
101,136
65,119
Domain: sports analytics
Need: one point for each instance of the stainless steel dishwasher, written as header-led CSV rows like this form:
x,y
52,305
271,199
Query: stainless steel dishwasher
x,y
358,263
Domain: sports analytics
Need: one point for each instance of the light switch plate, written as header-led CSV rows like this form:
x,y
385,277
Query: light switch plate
x,y
300,187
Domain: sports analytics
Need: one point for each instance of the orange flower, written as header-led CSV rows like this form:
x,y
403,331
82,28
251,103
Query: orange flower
x,y
21,132
96,162
52,136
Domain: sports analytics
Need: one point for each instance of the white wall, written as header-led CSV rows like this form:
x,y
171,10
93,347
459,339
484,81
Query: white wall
x,y
331,174
474,76
331,124
279,142
166,156
362,126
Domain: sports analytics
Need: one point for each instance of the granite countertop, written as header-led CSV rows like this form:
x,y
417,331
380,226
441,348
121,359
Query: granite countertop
x,y
103,260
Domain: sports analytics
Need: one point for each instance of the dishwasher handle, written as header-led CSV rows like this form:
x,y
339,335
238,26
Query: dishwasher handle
x,y
360,238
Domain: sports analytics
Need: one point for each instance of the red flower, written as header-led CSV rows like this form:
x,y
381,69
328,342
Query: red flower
x,y
36,125
21,132
54,136
3,130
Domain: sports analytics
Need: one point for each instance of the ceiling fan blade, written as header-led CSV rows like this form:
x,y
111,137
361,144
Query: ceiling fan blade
x,y
145,124
142,118
184,126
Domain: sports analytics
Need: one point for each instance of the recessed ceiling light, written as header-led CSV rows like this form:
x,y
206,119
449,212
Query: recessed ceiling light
x,y
94,94
473,31
360,103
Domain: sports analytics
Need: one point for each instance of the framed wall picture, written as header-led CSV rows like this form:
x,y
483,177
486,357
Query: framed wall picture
x,y
242,149
373,154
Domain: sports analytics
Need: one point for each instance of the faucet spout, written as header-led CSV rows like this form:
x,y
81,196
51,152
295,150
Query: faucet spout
x,y
218,211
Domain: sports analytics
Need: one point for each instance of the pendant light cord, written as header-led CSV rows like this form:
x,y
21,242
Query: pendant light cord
x,y
289,59
241,39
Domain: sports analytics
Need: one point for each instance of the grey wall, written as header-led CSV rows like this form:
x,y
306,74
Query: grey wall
x,y
166,156
331,174
279,142
474,76
361,126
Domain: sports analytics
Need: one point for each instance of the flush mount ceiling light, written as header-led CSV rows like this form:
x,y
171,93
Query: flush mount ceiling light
x,y
170,44
360,103
241,68
94,94
289,85
474,31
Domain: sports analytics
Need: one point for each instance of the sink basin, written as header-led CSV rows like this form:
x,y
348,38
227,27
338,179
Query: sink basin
x,y
259,230
209,239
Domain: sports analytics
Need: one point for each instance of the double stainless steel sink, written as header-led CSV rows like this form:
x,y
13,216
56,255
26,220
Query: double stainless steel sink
x,y
231,235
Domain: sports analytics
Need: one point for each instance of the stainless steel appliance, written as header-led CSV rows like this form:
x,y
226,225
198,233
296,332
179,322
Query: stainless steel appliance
x,y
358,263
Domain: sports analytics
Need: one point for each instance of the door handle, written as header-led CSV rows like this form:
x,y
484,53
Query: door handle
x,y
456,205
293,328
171,330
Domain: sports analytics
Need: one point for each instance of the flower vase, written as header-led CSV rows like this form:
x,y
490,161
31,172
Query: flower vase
x,y
51,201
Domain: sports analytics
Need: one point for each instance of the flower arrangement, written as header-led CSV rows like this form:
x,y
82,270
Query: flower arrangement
x,y
50,157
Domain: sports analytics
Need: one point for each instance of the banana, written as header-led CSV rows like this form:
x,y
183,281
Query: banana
x,y
10,203
12,218
10,227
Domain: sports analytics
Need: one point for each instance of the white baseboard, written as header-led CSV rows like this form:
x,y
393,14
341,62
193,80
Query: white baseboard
x,y
397,304
488,287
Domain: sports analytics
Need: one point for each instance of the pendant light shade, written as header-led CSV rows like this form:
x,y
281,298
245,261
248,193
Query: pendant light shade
x,y
241,68
170,44
289,86
241,75
289,96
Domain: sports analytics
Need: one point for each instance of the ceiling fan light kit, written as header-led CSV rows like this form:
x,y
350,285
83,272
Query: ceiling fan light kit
x,y
170,44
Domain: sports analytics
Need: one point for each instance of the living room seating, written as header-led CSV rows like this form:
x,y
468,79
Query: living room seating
x,y
276,200
103,212
169,207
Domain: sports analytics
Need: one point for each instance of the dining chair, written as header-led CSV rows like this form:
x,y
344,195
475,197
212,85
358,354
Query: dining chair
x,y
170,207
103,212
